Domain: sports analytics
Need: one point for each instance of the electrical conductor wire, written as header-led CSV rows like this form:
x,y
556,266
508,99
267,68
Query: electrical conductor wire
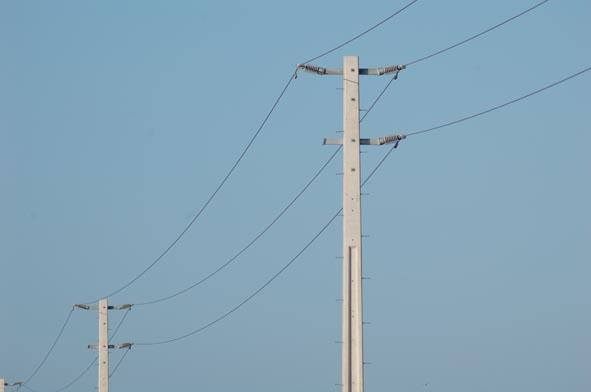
x,y
210,198
462,42
370,29
268,282
275,276
478,34
371,174
119,362
258,236
245,150
224,180
447,124
91,364
245,248
57,338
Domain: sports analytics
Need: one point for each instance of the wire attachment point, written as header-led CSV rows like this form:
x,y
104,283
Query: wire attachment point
x,y
312,68
391,139
391,69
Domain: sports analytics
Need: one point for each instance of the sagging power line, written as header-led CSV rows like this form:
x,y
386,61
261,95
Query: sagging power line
x,y
217,189
426,130
103,346
95,359
51,348
267,227
333,217
323,167
243,153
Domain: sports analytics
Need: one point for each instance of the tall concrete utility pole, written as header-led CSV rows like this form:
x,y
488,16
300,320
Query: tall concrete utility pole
x,y
103,341
352,323
103,346
2,384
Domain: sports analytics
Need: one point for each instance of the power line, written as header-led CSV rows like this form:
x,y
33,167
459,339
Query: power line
x,y
478,34
226,177
211,196
462,42
218,188
244,151
447,124
87,369
371,174
266,119
247,299
116,330
119,362
309,183
268,282
255,239
380,95
260,234
361,34
299,194
57,338
79,376
27,387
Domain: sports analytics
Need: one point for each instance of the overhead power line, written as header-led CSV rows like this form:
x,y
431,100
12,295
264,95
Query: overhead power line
x,y
79,376
478,34
371,107
91,364
57,338
332,157
268,282
380,95
209,199
323,229
244,151
370,29
460,43
121,321
247,246
218,188
447,124
247,299
119,363
267,228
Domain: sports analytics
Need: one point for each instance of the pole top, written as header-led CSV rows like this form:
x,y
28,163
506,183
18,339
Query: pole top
x,y
362,71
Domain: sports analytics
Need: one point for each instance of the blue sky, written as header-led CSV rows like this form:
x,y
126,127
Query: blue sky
x,y
118,120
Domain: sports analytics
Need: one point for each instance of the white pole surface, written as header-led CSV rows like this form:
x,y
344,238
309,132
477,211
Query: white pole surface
x,y
352,354
103,370
2,382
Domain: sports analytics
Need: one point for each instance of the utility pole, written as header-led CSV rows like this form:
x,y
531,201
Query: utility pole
x,y
352,316
103,346
4,384
103,341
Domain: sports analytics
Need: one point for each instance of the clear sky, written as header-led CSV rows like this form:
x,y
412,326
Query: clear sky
x,y
119,118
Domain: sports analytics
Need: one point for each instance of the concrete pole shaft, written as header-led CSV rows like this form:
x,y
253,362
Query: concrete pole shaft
x,y
352,354
103,346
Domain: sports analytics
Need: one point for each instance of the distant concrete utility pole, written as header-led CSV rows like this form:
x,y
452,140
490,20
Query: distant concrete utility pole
x,y
352,327
103,343
3,384
103,346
